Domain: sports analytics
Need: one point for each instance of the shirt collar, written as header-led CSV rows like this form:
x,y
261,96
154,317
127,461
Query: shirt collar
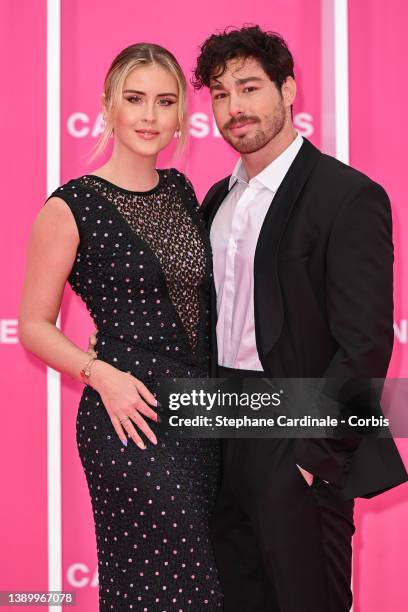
x,y
273,174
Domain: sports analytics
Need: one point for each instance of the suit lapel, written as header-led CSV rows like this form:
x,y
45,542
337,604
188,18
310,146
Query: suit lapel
x,y
208,209
268,304
213,201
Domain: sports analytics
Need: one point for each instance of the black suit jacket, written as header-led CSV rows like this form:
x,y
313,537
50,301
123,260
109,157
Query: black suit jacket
x,y
323,301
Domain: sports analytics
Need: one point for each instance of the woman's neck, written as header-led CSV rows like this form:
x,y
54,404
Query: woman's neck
x,y
129,170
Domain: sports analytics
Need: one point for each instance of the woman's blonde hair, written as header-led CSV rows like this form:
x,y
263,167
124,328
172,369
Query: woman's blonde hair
x,y
140,54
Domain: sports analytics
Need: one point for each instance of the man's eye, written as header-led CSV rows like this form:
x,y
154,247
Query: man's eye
x,y
219,96
249,89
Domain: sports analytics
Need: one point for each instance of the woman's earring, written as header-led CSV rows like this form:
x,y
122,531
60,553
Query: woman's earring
x,y
178,133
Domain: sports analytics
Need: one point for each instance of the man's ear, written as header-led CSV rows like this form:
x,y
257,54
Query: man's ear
x,y
288,91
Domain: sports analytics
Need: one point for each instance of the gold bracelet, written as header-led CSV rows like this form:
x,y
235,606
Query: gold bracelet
x,y
86,371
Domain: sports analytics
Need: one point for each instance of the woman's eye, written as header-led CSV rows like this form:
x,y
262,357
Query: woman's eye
x,y
134,99
165,102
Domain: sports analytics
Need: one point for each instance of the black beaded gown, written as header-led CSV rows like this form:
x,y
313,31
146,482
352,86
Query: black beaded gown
x,y
143,269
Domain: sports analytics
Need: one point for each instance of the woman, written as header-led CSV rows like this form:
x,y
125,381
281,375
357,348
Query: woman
x,y
130,242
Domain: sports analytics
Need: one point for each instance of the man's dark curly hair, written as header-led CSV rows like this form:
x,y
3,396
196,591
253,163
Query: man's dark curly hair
x,y
269,48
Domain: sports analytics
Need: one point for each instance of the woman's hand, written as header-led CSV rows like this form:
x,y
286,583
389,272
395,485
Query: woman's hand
x,y
124,396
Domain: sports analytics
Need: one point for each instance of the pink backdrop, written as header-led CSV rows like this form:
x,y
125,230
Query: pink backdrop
x,y
23,484
92,33
378,45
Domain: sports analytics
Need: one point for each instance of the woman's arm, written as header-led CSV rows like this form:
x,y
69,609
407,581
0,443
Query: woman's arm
x,y
51,254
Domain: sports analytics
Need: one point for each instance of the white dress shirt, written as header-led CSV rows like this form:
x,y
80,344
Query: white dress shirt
x,y
234,236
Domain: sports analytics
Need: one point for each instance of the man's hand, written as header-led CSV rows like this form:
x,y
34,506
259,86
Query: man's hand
x,y
92,340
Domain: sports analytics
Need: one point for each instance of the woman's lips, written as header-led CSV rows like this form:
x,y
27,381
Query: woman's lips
x,y
147,134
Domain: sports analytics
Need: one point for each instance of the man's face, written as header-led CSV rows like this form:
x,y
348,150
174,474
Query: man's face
x,y
248,107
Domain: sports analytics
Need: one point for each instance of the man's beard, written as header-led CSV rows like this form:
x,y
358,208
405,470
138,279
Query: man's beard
x,y
273,125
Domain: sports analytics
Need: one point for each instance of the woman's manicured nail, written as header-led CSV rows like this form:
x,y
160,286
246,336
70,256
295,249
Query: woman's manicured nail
x,y
124,442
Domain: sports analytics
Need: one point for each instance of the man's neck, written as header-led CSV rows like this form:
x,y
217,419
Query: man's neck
x,y
254,163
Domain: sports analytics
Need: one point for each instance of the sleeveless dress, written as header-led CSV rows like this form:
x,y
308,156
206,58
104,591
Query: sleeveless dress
x,y
143,269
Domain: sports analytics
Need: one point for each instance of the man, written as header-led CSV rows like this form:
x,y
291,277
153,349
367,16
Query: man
x,y
303,262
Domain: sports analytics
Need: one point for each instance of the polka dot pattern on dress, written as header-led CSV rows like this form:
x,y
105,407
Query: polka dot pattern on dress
x,y
142,269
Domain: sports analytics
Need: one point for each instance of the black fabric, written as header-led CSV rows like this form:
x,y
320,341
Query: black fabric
x,y
281,545
224,372
323,301
143,269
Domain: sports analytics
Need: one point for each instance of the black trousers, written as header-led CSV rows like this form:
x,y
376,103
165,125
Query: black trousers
x,y
280,544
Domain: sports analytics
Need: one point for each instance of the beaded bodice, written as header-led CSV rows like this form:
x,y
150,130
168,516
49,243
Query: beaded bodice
x,y
143,263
